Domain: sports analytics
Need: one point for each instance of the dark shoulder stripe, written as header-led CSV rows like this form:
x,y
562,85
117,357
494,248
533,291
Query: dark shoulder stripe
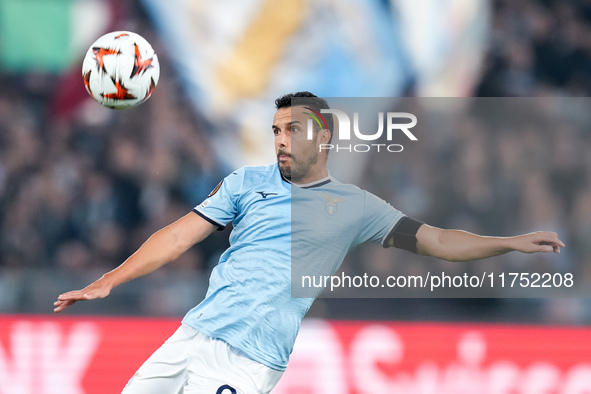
x,y
219,226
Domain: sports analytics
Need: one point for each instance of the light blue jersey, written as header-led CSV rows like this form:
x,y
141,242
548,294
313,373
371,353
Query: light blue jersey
x,y
249,302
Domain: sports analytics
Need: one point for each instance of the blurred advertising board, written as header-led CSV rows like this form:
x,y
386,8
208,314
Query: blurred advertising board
x,y
43,355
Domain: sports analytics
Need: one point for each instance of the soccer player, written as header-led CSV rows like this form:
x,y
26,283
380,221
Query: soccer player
x,y
239,338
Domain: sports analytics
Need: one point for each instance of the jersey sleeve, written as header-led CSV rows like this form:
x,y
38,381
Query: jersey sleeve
x,y
220,207
379,219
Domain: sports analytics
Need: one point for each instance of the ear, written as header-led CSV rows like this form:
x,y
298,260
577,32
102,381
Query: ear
x,y
325,137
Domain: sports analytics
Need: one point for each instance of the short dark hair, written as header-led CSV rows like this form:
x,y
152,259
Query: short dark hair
x,y
306,99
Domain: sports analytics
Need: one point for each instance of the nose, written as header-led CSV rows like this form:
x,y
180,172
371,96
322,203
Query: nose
x,y
282,139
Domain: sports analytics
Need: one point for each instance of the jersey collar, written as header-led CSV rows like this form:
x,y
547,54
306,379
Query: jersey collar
x,y
319,182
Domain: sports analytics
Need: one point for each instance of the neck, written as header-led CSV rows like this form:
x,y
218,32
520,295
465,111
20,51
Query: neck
x,y
312,176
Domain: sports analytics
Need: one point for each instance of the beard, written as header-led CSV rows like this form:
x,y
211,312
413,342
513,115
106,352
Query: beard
x,y
285,170
296,169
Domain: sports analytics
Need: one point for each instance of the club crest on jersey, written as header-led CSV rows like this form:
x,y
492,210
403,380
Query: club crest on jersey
x,y
331,203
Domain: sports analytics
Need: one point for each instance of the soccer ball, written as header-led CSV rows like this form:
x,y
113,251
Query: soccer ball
x,y
120,70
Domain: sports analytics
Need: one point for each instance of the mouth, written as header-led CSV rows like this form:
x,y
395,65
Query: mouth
x,y
282,157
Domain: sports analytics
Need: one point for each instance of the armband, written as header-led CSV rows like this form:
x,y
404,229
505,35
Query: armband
x,y
404,234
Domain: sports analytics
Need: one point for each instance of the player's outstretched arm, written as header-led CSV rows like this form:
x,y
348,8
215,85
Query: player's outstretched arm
x,y
458,245
162,247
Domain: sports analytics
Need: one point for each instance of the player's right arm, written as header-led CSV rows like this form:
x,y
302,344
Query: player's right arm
x,y
162,247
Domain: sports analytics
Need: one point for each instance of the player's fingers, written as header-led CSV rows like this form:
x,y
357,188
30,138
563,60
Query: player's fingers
x,y
549,247
61,305
552,238
561,244
75,295
69,295
58,308
546,248
553,241
547,238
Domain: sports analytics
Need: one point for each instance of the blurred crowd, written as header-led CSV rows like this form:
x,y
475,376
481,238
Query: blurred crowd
x,y
538,47
79,192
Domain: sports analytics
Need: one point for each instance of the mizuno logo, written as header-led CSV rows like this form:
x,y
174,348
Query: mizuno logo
x,y
264,195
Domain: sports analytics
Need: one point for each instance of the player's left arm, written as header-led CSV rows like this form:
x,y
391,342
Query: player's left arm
x,y
459,245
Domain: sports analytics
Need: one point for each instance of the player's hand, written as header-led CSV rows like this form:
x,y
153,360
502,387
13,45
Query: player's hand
x,y
540,241
90,292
